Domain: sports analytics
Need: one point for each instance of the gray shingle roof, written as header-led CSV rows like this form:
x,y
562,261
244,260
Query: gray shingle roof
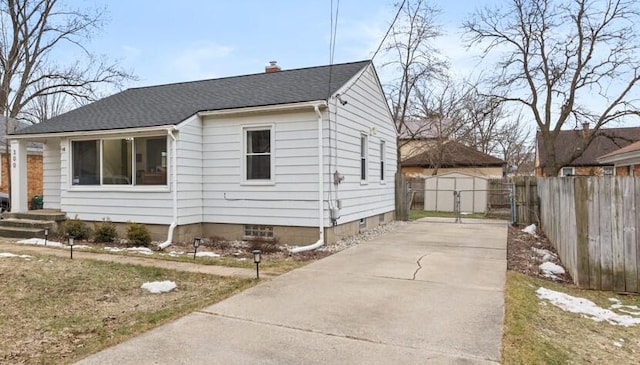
x,y
173,103
453,154
607,140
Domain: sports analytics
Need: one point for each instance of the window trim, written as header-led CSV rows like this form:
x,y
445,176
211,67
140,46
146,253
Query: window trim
x,y
573,171
118,187
364,161
613,170
272,155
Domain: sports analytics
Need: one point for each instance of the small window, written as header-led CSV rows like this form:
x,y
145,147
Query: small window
x,y
258,154
382,153
608,170
362,224
568,171
258,231
363,157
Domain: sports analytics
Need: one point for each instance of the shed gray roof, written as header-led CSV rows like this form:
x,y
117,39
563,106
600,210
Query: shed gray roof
x,y
172,103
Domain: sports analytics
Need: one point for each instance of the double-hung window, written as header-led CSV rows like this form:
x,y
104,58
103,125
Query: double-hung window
x,y
119,161
363,158
258,154
382,153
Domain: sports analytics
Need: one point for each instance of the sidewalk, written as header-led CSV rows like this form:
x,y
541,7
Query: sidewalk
x,y
134,260
425,293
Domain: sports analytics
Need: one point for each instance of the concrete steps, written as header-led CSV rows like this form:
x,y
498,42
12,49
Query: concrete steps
x,y
30,224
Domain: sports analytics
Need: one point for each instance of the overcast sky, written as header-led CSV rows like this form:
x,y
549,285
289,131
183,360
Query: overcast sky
x,y
165,41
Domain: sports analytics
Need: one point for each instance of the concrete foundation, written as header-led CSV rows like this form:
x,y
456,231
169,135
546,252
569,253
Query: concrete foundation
x,y
285,235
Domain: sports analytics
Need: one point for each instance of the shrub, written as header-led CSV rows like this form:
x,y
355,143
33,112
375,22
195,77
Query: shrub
x,y
138,234
105,231
75,228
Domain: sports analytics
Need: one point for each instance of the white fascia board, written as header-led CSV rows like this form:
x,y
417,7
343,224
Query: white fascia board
x,y
101,132
263,109
186,122
623,159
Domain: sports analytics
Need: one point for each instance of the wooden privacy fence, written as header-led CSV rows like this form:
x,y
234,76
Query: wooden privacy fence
x,y
526,200
593,224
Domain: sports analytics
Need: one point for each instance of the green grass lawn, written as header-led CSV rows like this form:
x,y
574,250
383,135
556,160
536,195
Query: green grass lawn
x,y
537,333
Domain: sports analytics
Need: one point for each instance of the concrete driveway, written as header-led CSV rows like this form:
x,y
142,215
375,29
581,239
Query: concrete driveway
x,y
426,293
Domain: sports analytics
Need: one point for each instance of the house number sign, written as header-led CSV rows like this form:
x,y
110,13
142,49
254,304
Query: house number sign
x,y
14,158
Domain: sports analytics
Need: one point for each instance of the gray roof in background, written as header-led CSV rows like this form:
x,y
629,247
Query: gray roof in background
x,y
13,126
172,103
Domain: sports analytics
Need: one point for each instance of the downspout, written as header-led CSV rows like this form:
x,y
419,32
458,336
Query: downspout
x,y
320,241
174,186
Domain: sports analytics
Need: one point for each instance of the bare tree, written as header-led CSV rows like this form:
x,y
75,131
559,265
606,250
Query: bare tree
x,y
513,143
411,53
32,34
31,31
438,109
481,117
567,62
45,107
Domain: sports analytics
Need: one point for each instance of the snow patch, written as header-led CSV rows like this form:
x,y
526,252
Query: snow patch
x,y
40,242
8,254
207,254
545,255
157,287
530,229
586,308
551,270
142,250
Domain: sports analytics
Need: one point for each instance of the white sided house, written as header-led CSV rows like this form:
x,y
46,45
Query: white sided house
x,y
303,156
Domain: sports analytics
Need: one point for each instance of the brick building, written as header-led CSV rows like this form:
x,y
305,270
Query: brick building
x,y
606,141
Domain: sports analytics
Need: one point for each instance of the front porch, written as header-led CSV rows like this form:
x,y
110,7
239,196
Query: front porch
x,y
30,223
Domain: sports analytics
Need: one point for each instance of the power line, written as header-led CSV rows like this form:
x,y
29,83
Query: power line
x,y
379,45
332,42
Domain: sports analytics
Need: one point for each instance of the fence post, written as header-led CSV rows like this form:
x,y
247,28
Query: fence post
x,y
402,208
582,231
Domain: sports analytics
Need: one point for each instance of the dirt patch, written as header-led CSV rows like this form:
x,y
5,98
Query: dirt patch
x,y
526,252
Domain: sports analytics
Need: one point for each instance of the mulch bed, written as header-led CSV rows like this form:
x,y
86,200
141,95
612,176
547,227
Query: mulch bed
x,y
522,258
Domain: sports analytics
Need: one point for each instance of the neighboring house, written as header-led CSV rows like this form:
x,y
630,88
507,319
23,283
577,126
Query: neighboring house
x,y
433,157
626,160
296,155
34,161
607,140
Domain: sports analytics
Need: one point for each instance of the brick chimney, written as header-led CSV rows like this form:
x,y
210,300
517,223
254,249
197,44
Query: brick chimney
x,y
585,130
273,67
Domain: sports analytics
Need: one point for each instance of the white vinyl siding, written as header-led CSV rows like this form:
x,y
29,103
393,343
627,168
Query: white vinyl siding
x,y
51,177
189,160
292,197
366,110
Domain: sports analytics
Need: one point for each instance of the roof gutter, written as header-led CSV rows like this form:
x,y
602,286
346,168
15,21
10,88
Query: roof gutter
x,y
320,241
262,109
90,133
